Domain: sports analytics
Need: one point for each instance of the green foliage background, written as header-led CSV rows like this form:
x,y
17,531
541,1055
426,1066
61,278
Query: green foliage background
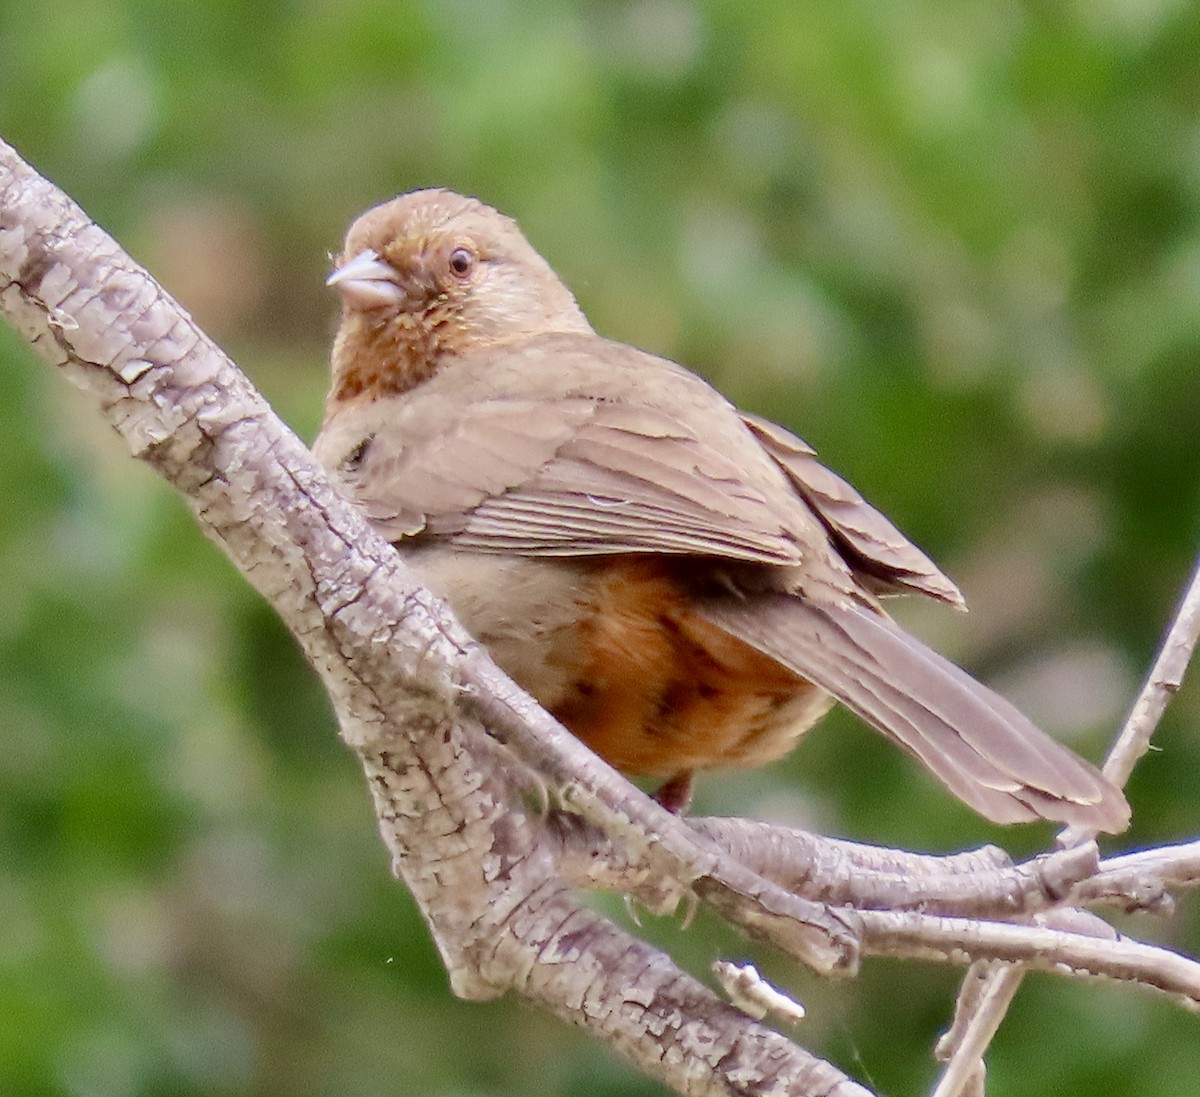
x,y
956,245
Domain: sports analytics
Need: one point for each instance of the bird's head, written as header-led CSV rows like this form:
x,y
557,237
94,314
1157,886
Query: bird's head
x,y
433,275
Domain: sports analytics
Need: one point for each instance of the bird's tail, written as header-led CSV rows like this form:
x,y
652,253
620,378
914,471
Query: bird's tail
x,y
975,742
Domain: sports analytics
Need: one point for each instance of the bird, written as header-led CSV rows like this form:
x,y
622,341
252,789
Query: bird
x,y
680,583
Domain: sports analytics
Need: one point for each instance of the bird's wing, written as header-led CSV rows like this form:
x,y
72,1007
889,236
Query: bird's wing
x,y
884,559
528,456
567,475
568,445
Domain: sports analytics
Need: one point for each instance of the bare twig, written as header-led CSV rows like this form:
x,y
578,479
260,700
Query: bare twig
x,y
934,913
1166,676
982,883
922,936
1140,880
986,994
981,1010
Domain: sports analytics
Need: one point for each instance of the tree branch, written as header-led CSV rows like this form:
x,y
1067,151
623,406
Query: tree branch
x,y
451,748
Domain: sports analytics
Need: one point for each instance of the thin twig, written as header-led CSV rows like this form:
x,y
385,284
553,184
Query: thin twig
x,y
1164,681
1140,880
982,883
977,1022
986,994
1098,951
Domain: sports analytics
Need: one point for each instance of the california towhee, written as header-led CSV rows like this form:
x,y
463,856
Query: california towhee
x,y
680,583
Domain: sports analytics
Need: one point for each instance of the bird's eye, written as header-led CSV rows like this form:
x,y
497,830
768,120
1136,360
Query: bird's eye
x,y
462,262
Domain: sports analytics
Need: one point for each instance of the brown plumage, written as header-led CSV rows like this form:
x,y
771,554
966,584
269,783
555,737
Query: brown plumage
x,y
683,585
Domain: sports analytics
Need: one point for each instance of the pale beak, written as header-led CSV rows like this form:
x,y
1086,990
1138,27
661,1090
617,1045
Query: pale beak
x,y
367,281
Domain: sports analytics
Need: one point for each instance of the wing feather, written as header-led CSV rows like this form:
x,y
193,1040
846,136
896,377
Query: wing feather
x,y
887,560
569,476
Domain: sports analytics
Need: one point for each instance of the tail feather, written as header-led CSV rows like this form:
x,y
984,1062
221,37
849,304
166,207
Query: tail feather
x,y
979,745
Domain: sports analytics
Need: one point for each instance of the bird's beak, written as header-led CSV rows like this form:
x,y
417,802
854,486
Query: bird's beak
x,y
367,281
